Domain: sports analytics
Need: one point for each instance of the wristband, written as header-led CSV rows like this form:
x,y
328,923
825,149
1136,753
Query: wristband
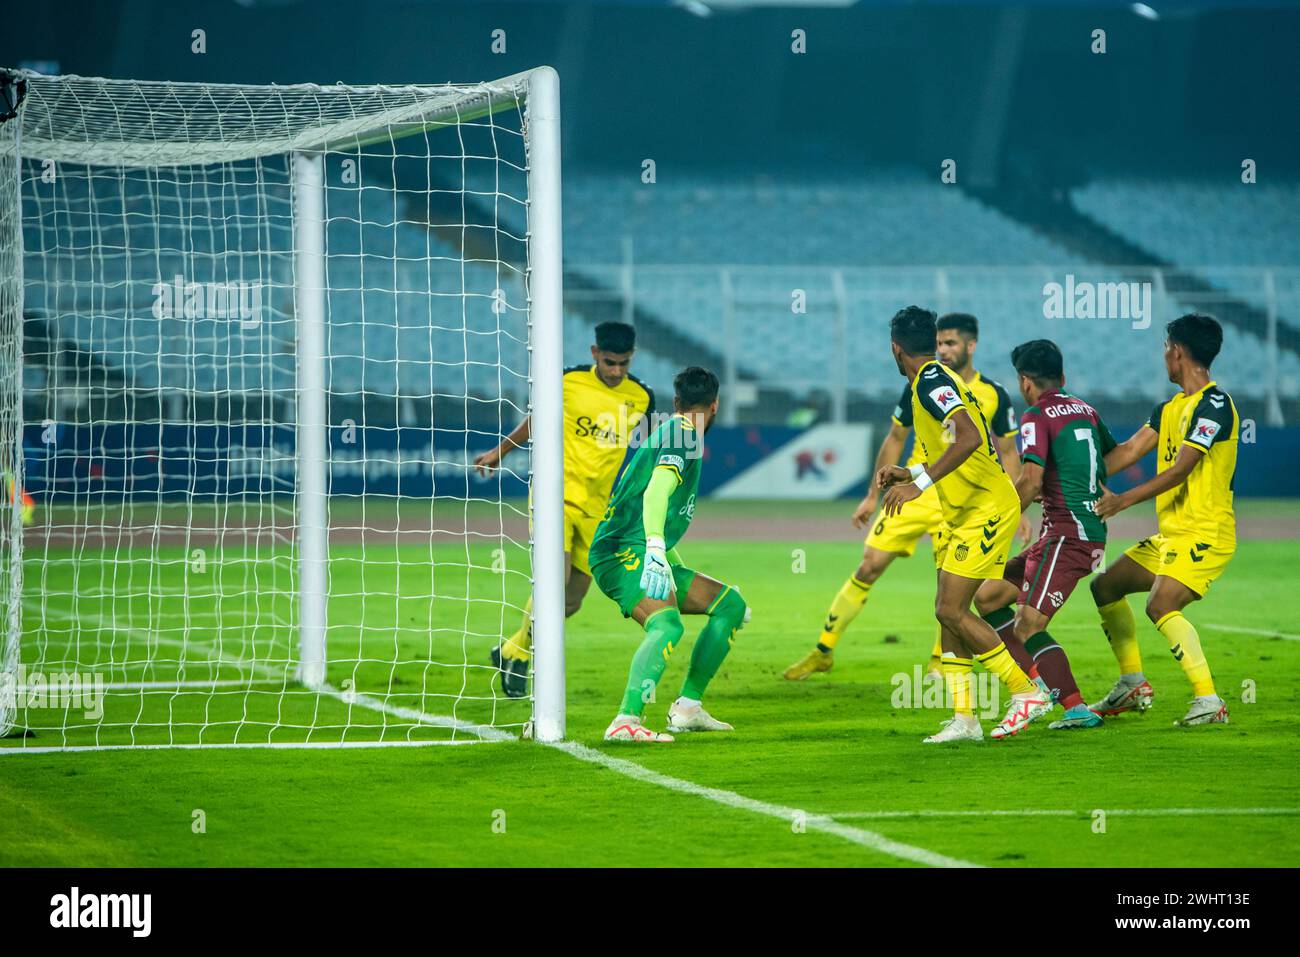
x,y
654,542
923,481
916,470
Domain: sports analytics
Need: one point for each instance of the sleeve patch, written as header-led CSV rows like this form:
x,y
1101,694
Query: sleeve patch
x,y
1203,432
946,398
672,461
1028,434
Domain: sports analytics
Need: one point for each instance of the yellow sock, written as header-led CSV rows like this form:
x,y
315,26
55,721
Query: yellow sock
x,y
519,646
848,602
936,653
956,678
1121,631
1000,662
1185,644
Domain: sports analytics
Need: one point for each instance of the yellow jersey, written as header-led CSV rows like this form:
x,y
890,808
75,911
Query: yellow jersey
x,y
979,485
1201,507
597,423
994,402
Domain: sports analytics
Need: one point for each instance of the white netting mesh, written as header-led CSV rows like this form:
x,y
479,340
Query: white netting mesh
x,y
161,388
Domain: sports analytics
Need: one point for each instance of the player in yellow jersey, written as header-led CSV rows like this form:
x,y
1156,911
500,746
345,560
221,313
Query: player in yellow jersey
x,y
603,403
1195,436
894,537
981,513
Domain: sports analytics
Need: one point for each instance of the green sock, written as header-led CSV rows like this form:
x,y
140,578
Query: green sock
x,y
663,630
999,617
725,617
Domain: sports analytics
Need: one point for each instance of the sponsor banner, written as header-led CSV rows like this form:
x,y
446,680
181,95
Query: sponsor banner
x,y
826,461
62,462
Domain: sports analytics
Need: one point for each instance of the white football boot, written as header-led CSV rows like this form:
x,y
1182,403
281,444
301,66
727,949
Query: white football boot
x,y
1207,709
960,727
1125,697
1024,709
693,717
629,728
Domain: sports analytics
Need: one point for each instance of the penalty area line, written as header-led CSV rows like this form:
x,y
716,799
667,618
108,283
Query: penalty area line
x,y
822,823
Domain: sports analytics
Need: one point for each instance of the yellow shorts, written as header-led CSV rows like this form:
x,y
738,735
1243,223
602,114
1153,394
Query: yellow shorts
x,y
980,546
900,533
1185,560
579,528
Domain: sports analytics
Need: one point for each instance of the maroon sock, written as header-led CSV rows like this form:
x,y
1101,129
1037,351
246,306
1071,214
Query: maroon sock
x,y
1054,666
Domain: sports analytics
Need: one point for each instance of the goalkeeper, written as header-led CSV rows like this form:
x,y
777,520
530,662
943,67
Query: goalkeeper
x,y
634,562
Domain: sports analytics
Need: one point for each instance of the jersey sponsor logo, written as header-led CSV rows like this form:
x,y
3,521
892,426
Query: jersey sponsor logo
x,y
1068,408
1204,431
688,509
602,430
1028,433
946,398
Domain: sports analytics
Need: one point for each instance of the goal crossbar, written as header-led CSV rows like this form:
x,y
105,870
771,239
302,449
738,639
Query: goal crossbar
x,y
90,119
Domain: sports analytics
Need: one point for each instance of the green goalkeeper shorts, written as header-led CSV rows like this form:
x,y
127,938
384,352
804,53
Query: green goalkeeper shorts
x,y
619,577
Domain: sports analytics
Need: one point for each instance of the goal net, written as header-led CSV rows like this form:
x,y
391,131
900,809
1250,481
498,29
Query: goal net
x,y
251,341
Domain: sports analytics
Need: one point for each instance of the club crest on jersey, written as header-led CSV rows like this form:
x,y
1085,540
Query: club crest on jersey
x,y
962,551
946,398
1204,431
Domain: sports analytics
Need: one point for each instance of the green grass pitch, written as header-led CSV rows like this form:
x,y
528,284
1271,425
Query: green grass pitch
x,y
835,747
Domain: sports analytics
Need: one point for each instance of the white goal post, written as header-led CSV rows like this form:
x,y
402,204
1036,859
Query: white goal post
x,y
251,339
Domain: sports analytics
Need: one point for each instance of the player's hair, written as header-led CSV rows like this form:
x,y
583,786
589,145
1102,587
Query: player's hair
x,y
1199,334
963,322
695,388
1041,361
913,328
615,337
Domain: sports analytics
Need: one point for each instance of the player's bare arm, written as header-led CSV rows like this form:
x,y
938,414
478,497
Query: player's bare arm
x,y
1030,484
1010,455
1112,504
891,450
1126,454
492,458
965,440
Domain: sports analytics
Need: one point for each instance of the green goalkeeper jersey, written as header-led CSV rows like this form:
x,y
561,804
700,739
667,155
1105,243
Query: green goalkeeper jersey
x,y
676,446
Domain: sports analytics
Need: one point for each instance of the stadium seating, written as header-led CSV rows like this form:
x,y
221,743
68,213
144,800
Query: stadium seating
x,y
408,317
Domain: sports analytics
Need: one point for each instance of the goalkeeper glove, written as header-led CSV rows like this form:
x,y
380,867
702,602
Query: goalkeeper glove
x,y
656,575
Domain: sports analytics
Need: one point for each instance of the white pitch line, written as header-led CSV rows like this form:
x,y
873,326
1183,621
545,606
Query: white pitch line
x,y
1050,812
484,731
1262,632
869,839
226,746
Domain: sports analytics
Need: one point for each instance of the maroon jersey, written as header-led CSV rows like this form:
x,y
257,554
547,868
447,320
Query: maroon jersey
x,y
1067,437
